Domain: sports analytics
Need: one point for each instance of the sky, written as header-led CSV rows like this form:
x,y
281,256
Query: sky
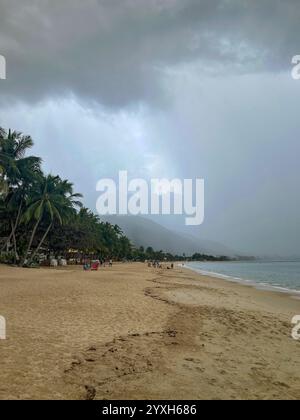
x,y
166,88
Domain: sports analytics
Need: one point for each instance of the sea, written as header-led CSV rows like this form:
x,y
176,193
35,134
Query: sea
x,y
283,276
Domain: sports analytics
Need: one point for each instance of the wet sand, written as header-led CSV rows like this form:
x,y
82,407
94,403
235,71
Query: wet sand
x,y
133,332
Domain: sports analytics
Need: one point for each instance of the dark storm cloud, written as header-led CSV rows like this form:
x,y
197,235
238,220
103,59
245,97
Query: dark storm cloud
x,y
221,67
116,51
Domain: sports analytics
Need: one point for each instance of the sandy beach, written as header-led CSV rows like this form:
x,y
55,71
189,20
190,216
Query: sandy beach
x,y
133,332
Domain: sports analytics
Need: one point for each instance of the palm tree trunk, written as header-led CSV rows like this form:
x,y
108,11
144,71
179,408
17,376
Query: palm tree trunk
x,y
5,246
41,242
18,218
14,242
13,227
30,242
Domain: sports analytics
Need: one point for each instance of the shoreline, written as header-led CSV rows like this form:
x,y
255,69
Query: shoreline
x,y
133,332
294,293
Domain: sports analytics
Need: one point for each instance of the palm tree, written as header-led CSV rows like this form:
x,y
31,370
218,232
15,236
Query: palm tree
x,y
17,173
13,147
52,201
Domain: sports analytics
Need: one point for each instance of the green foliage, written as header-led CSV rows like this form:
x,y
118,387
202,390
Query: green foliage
x,y
42,213
7,258
84,233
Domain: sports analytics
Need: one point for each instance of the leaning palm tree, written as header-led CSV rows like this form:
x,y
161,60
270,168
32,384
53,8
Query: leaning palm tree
x,y
53,200
17,173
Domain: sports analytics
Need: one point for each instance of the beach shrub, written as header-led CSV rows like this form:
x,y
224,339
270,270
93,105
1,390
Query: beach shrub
x,y
7,258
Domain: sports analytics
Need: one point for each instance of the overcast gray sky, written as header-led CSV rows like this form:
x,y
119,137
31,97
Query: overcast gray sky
x,y
193,88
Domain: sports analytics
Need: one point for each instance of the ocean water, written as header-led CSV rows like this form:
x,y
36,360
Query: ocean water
x,y
281,276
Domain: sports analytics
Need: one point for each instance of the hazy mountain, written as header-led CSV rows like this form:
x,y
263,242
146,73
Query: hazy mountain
x,y
145,232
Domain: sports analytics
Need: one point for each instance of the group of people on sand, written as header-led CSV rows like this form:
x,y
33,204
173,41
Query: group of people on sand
x,y
158,264
95,265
